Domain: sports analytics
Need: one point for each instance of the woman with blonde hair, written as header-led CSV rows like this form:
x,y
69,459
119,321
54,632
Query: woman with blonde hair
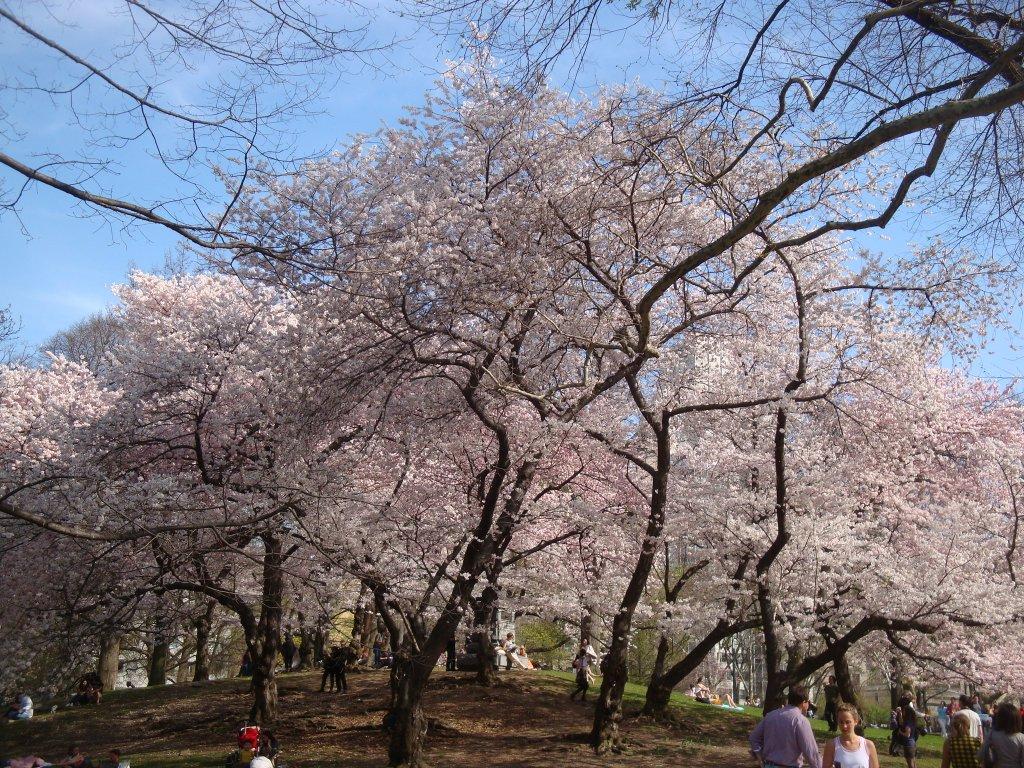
x,y
848,750
960,750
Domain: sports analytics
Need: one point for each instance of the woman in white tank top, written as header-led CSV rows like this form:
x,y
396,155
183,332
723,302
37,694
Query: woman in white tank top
x,y
848,750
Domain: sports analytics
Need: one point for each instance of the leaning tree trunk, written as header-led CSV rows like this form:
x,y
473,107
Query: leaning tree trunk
x,y
110,656
204,625
265,648
659,691
604,734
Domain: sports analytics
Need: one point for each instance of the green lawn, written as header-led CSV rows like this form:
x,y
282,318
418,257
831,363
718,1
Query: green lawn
x,y
153,717
929,747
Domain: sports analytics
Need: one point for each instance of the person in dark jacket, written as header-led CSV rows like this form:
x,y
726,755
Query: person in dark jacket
x,y
452,650
288,649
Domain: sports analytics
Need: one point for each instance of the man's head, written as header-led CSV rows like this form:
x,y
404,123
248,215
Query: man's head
x,y
799,697
964,700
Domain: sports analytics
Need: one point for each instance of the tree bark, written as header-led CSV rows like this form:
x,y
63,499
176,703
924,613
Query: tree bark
x,y
604,734
844,680
306,648
204,625
159,652
319,642
268,636
660,686
407,721
483,613
110,656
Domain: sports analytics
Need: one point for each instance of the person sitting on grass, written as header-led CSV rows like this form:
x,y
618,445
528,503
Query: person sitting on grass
x,y
22,710
75,758
114,760
30,761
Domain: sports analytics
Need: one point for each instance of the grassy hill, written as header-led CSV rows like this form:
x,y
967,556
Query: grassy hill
x,y
528,722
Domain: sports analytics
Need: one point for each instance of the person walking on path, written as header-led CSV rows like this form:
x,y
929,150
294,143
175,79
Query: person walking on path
x,y
582,666
961,749
831,702
783,739
1004,745
973,717
848,750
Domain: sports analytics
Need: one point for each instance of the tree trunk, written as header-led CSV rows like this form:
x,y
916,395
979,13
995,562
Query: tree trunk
x,y
774,692
408,724
486,674
658,692
306,648
110,656
844,681
158,655
586,624
268,639
483,614
608,711
319,643
204,624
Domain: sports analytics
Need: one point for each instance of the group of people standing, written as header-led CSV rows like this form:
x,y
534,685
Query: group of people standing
x,y
784,738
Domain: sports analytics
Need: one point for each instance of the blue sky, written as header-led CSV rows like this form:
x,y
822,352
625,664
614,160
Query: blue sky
x,y
57,264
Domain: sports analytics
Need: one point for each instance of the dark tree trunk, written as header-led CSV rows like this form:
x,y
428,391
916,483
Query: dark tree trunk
x,y
319,642
844,681
204,625
658,691
483,615
268,635
608,711
159,653
306,648
407,721
110,656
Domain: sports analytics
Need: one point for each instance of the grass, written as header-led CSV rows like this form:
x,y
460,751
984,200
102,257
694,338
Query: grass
x,y
929,747
188,726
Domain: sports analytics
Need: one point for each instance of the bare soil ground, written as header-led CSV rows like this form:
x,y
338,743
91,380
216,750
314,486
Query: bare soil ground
x,y
526,722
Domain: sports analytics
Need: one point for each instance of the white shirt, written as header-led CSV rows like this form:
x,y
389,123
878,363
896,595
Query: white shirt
x,y
857,758
975,721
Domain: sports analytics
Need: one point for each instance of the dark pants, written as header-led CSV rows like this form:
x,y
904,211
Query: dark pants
x,y
449,664
288,659
334,679
340,683
582,686
830,714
